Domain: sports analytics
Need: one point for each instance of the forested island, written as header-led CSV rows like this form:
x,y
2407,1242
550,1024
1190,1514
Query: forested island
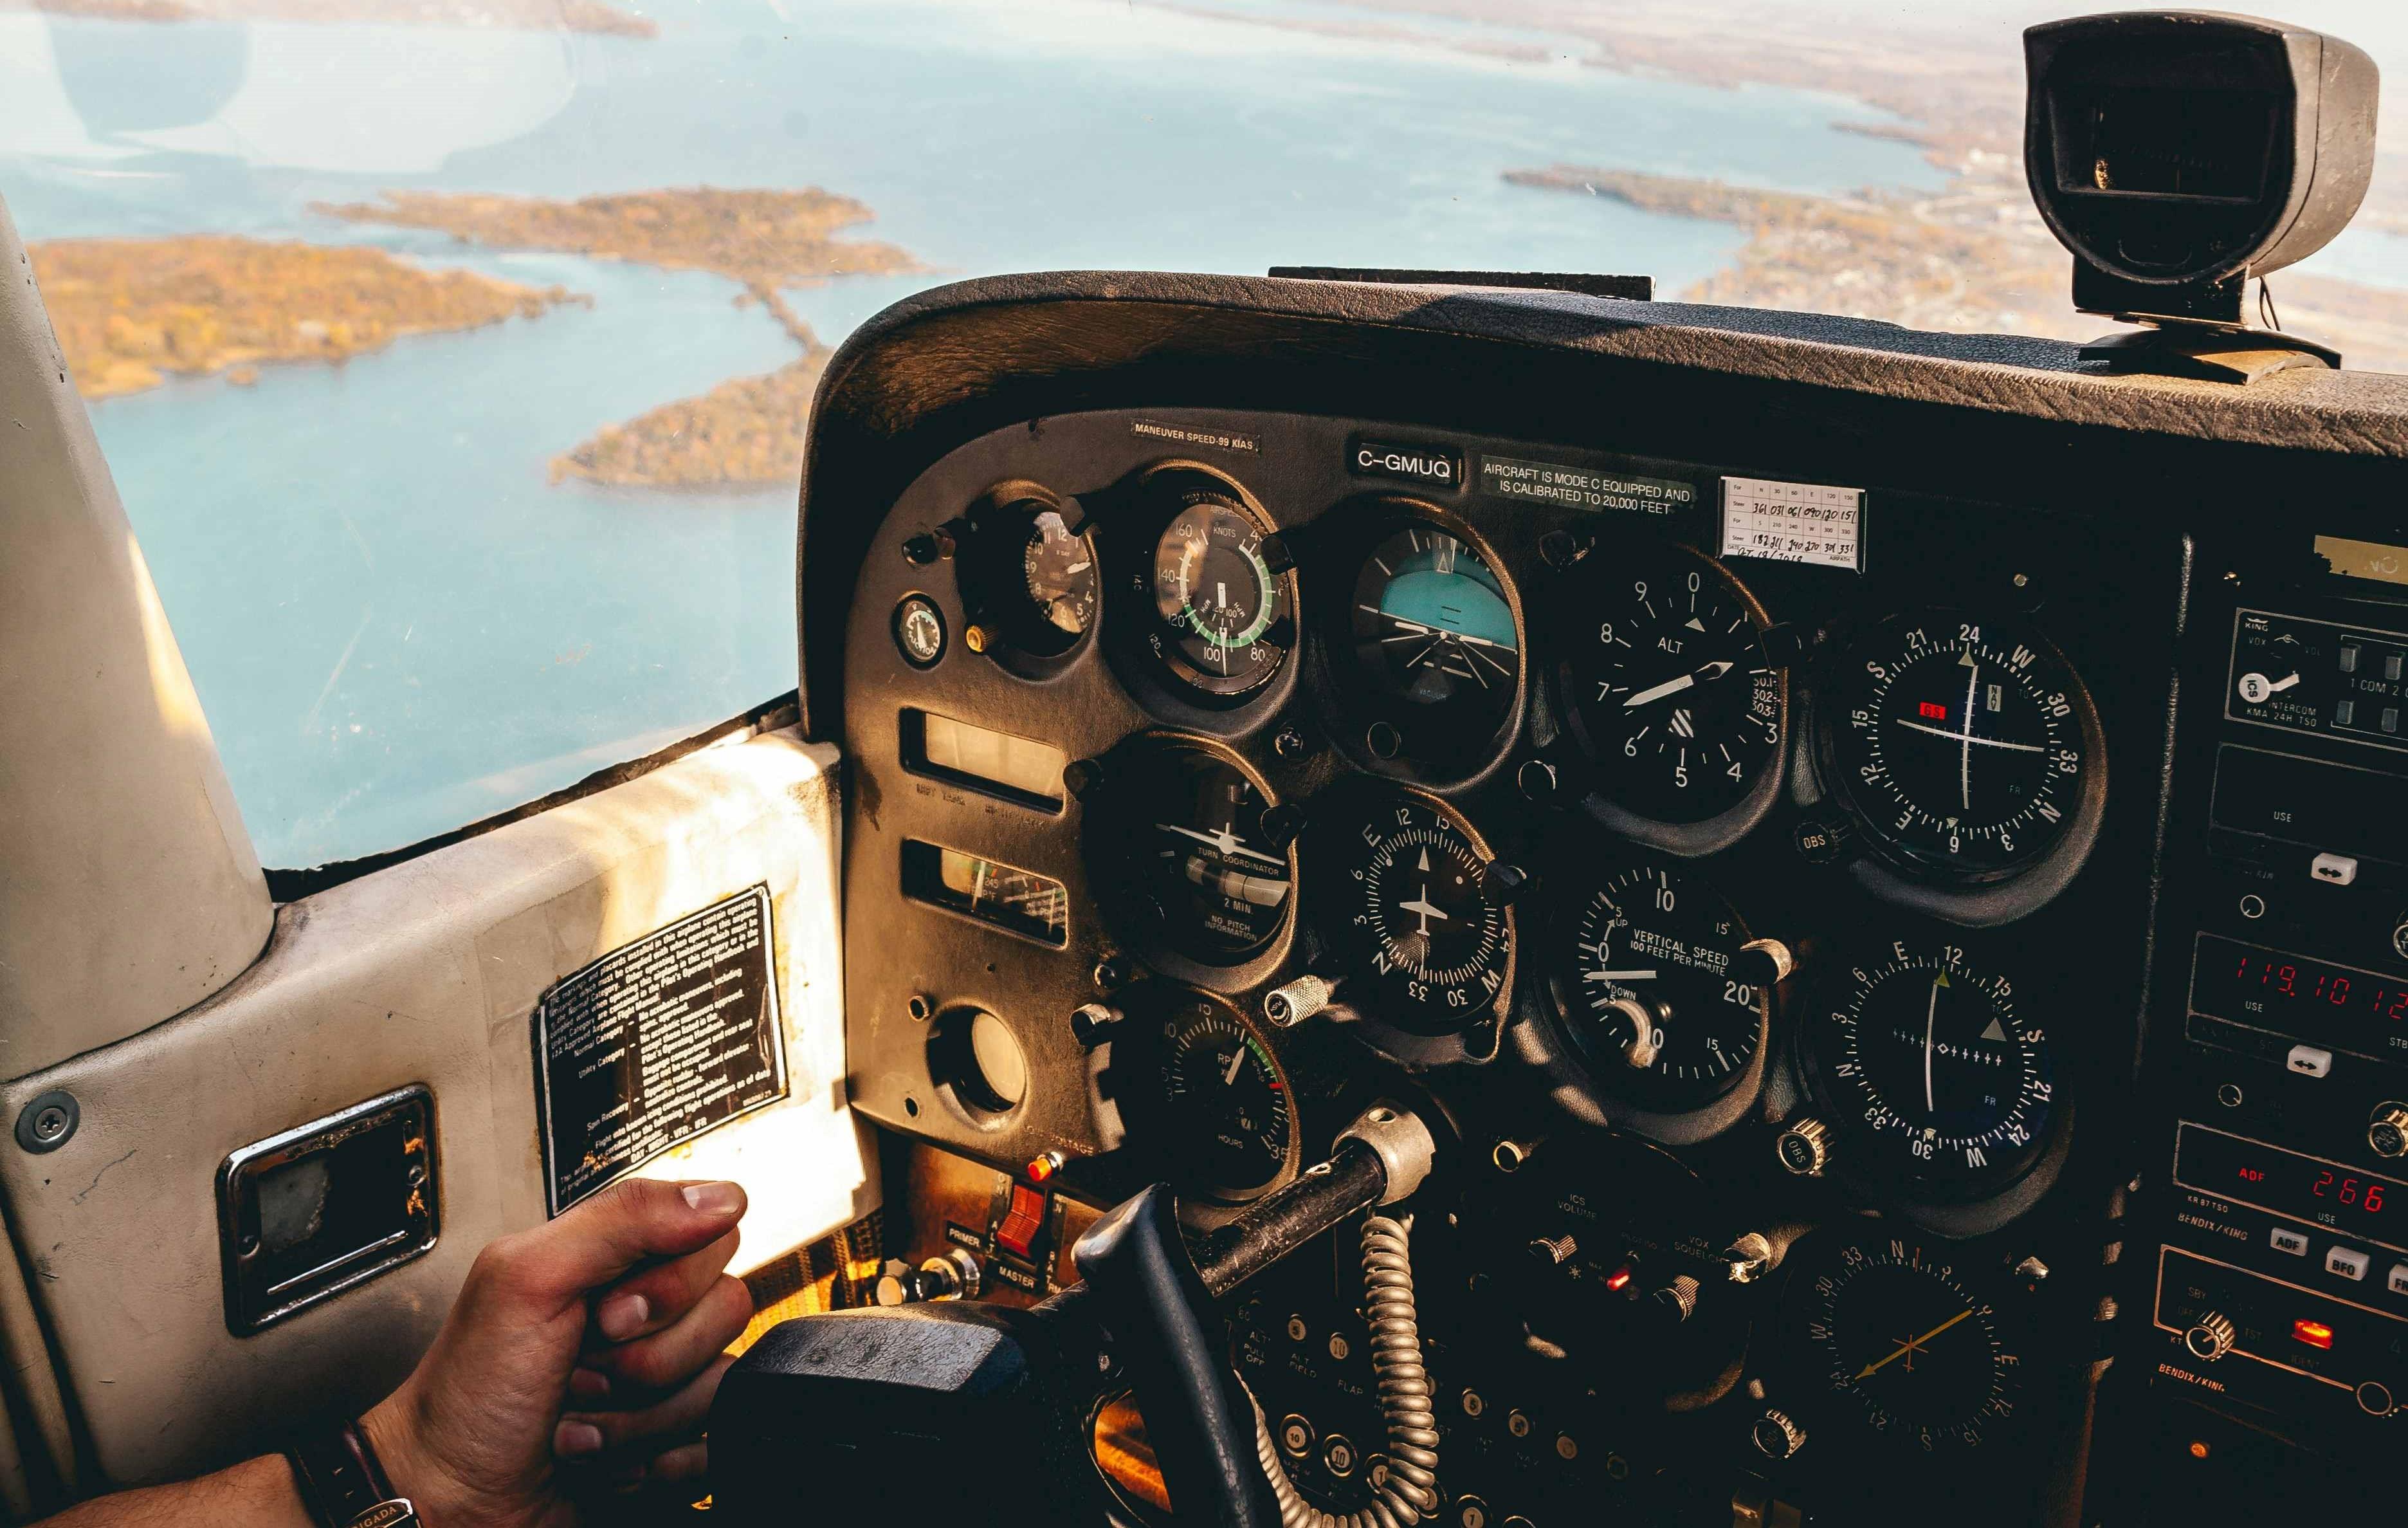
x,y
744,433
131,312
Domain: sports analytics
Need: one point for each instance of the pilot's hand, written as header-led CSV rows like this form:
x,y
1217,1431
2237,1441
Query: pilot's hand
x,y
586,1350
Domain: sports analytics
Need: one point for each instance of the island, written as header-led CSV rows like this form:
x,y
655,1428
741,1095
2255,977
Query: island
x,y
744,433
131,312
592,16
1974,257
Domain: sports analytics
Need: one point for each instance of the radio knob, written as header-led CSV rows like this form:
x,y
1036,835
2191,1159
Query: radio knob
x,y
2386,1134
1776,1435
2210,1338
1554,1251
1804,1148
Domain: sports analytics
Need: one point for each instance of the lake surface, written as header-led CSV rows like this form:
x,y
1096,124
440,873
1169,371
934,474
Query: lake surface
x,y
397,623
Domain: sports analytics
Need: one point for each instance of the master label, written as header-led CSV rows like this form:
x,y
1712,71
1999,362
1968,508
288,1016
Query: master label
x,y
656,1043
1794,521
1583,487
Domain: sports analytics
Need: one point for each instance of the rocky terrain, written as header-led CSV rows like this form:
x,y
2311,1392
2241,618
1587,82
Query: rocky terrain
x,y
129,313
742,433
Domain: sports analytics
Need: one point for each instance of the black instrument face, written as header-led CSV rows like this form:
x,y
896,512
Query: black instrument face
x,y
1425,948
1227,1120
1957,741
1904,1346
1650,995
1215,599
1058,575
1028,583
1667,685
1433,639
1934,1080
1183,837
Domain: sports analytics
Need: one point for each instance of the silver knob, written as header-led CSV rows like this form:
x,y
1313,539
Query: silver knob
x,y
1748,1259
2209,1338
1555,1252
2387,1133
1680,1297
953,1276
1804,1148
1300,1000
1776,1435
1640,1052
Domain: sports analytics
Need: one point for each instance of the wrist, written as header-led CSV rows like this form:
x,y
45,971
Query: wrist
x,y
392,1428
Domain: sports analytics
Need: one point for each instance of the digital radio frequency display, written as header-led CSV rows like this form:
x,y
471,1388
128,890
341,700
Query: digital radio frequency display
x,y
2294,995
2329,1193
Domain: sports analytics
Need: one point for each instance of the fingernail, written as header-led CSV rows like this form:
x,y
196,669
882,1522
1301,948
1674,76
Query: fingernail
x,y
588,1385
575,1439
623,1316
714,1198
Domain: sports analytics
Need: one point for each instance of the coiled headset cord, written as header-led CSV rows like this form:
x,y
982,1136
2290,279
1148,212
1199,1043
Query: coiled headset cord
x,y
1410,1489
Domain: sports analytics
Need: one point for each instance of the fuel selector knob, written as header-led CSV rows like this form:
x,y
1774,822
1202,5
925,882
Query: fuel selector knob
x,y
1804,1149
2209,1338
2387,1132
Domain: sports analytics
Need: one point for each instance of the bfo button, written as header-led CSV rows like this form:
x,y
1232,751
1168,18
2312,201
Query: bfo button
x,y
2348,1262
2308,1061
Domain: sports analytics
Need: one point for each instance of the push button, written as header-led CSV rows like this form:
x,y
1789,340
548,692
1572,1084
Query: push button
x,y
2348,1262
2309,1061
2398,1281
2284,1239
2333,869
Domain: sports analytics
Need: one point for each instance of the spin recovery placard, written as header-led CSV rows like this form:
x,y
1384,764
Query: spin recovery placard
x,y
656,1043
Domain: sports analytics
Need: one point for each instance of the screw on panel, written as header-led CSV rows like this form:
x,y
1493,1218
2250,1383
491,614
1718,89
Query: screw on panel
x,y
920,1008
48,1122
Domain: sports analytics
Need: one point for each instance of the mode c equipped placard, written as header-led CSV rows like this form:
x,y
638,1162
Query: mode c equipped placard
x,y
656,1043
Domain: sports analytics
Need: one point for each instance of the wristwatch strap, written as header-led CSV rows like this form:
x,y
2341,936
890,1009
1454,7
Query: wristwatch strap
x,y
341,1482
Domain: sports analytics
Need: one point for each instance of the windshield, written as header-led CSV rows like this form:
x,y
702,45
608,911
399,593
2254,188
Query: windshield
x,y
453,355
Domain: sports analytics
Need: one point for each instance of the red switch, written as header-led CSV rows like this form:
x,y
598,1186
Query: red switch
x,y
2315,1333
1021,1223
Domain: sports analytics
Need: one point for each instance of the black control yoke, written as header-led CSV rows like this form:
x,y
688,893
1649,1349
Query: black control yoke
x,y
825,1414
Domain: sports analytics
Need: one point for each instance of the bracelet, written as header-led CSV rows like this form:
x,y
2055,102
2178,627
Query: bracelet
x,y
342,1485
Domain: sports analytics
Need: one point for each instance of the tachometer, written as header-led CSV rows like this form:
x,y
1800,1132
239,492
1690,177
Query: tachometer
x,y
1229,1122
1425,942
1964,745
1667,687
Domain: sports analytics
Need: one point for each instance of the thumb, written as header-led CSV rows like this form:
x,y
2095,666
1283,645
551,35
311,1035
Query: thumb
x,y
632,1221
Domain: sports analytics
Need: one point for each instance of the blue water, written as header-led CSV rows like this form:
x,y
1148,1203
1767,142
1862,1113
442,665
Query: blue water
x,y
399,624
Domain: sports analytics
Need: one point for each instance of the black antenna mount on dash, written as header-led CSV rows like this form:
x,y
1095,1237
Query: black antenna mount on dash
x,y
2179,153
